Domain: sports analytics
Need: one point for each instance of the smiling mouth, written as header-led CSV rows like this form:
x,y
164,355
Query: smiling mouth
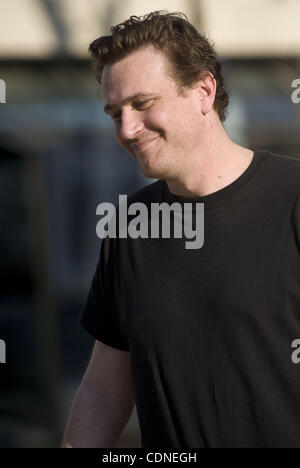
x,y
143,145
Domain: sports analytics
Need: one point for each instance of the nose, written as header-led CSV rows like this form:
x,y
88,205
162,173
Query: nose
x,y
130,125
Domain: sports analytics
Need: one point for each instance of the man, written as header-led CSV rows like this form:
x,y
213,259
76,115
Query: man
x,y
201,340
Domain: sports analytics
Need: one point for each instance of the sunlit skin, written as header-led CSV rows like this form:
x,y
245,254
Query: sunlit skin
x,y
175,136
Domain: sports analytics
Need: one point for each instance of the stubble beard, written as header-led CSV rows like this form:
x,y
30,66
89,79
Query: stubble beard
x,y
159,166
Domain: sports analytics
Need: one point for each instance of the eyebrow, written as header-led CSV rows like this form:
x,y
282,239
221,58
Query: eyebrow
x,y
109,107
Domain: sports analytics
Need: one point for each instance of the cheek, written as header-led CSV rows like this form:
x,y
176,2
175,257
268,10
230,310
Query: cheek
x,y
176,119
157,119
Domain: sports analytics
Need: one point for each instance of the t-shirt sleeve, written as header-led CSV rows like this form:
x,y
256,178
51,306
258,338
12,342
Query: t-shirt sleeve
x,y
99,315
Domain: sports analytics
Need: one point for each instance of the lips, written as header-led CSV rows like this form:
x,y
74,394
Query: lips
x,y
143,144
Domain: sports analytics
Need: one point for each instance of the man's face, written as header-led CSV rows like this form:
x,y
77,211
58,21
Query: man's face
x,y
153,122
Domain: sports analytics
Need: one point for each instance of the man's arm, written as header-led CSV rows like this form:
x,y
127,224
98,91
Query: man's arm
x,y
104,401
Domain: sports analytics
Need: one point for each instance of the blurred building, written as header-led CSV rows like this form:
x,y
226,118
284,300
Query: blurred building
x,y
44,28
58,160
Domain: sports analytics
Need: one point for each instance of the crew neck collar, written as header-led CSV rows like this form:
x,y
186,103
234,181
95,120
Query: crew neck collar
x,y
222,195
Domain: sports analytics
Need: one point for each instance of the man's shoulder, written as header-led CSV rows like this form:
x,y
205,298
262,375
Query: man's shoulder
x,y
284,162
283,168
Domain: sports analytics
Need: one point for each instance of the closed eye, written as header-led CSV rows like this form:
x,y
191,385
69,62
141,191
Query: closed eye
x,y
138,105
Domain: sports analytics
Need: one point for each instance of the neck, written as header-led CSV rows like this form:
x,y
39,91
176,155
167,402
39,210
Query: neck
x,y
217,164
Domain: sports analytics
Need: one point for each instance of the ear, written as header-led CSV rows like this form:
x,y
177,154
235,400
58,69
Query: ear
x,y
206,88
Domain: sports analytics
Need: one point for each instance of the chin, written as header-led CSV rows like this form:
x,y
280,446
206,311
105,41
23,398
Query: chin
x,y
152,172
154,166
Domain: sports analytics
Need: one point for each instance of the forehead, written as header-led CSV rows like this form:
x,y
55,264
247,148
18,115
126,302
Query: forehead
x,y
144,71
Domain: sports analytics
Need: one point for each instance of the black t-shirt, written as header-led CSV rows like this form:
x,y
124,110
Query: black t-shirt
x,y
210,331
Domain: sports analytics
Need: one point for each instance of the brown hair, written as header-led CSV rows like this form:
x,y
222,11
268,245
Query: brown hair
x,y
189,52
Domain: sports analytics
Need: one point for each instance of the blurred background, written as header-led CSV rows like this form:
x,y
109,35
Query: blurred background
x,y
58,160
